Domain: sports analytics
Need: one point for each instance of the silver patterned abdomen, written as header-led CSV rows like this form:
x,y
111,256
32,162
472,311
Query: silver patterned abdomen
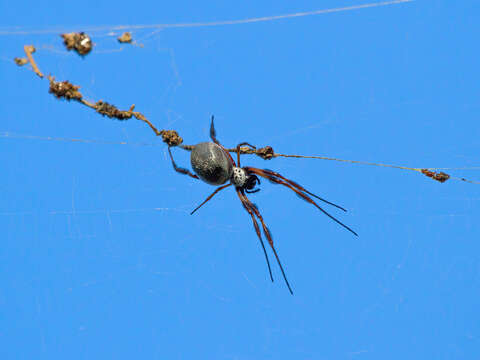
x,y
211,164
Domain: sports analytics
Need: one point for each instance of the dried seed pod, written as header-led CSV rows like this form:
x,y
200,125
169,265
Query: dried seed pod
x,y
211,164
64,89
20,61
80,42
171,137
125,38
440,176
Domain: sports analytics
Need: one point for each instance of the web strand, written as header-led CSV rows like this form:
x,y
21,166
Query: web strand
x,y
93,29
245,151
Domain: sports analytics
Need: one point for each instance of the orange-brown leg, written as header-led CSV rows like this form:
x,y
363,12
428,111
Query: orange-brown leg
x,y
253,208
179,169
299,187
208,198
257,230
277,180
238,151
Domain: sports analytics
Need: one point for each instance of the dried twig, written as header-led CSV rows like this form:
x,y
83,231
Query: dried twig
x,y
29,50
68,91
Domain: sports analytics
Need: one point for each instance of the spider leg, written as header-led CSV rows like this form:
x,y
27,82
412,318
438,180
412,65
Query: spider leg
x,y
179,169
208,198
257,230
213,133
305,197
213,136
301,188
238,150
253,208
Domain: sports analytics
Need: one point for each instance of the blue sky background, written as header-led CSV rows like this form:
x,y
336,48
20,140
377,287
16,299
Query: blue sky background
x,y
99,256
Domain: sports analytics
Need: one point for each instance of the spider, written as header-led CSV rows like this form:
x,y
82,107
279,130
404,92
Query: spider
x,y
213,164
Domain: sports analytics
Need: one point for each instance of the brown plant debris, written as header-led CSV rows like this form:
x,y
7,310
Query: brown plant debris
x,y
64,90
106,109
20,61
171,137
266,153
80,42
29,50
439,176
125,38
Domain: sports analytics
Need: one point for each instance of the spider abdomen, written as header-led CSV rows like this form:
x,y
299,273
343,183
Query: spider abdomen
x,y
211,164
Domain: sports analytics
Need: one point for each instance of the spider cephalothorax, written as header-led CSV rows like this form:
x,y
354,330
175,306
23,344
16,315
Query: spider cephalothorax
x,y
242,179
239,177
213,164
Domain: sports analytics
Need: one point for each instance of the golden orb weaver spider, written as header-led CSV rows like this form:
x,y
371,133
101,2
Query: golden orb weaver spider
x,y
213,164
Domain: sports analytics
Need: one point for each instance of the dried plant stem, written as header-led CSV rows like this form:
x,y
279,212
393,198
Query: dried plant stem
x,y
29,50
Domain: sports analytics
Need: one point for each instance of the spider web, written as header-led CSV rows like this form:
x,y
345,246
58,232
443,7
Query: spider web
x,y
108,215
